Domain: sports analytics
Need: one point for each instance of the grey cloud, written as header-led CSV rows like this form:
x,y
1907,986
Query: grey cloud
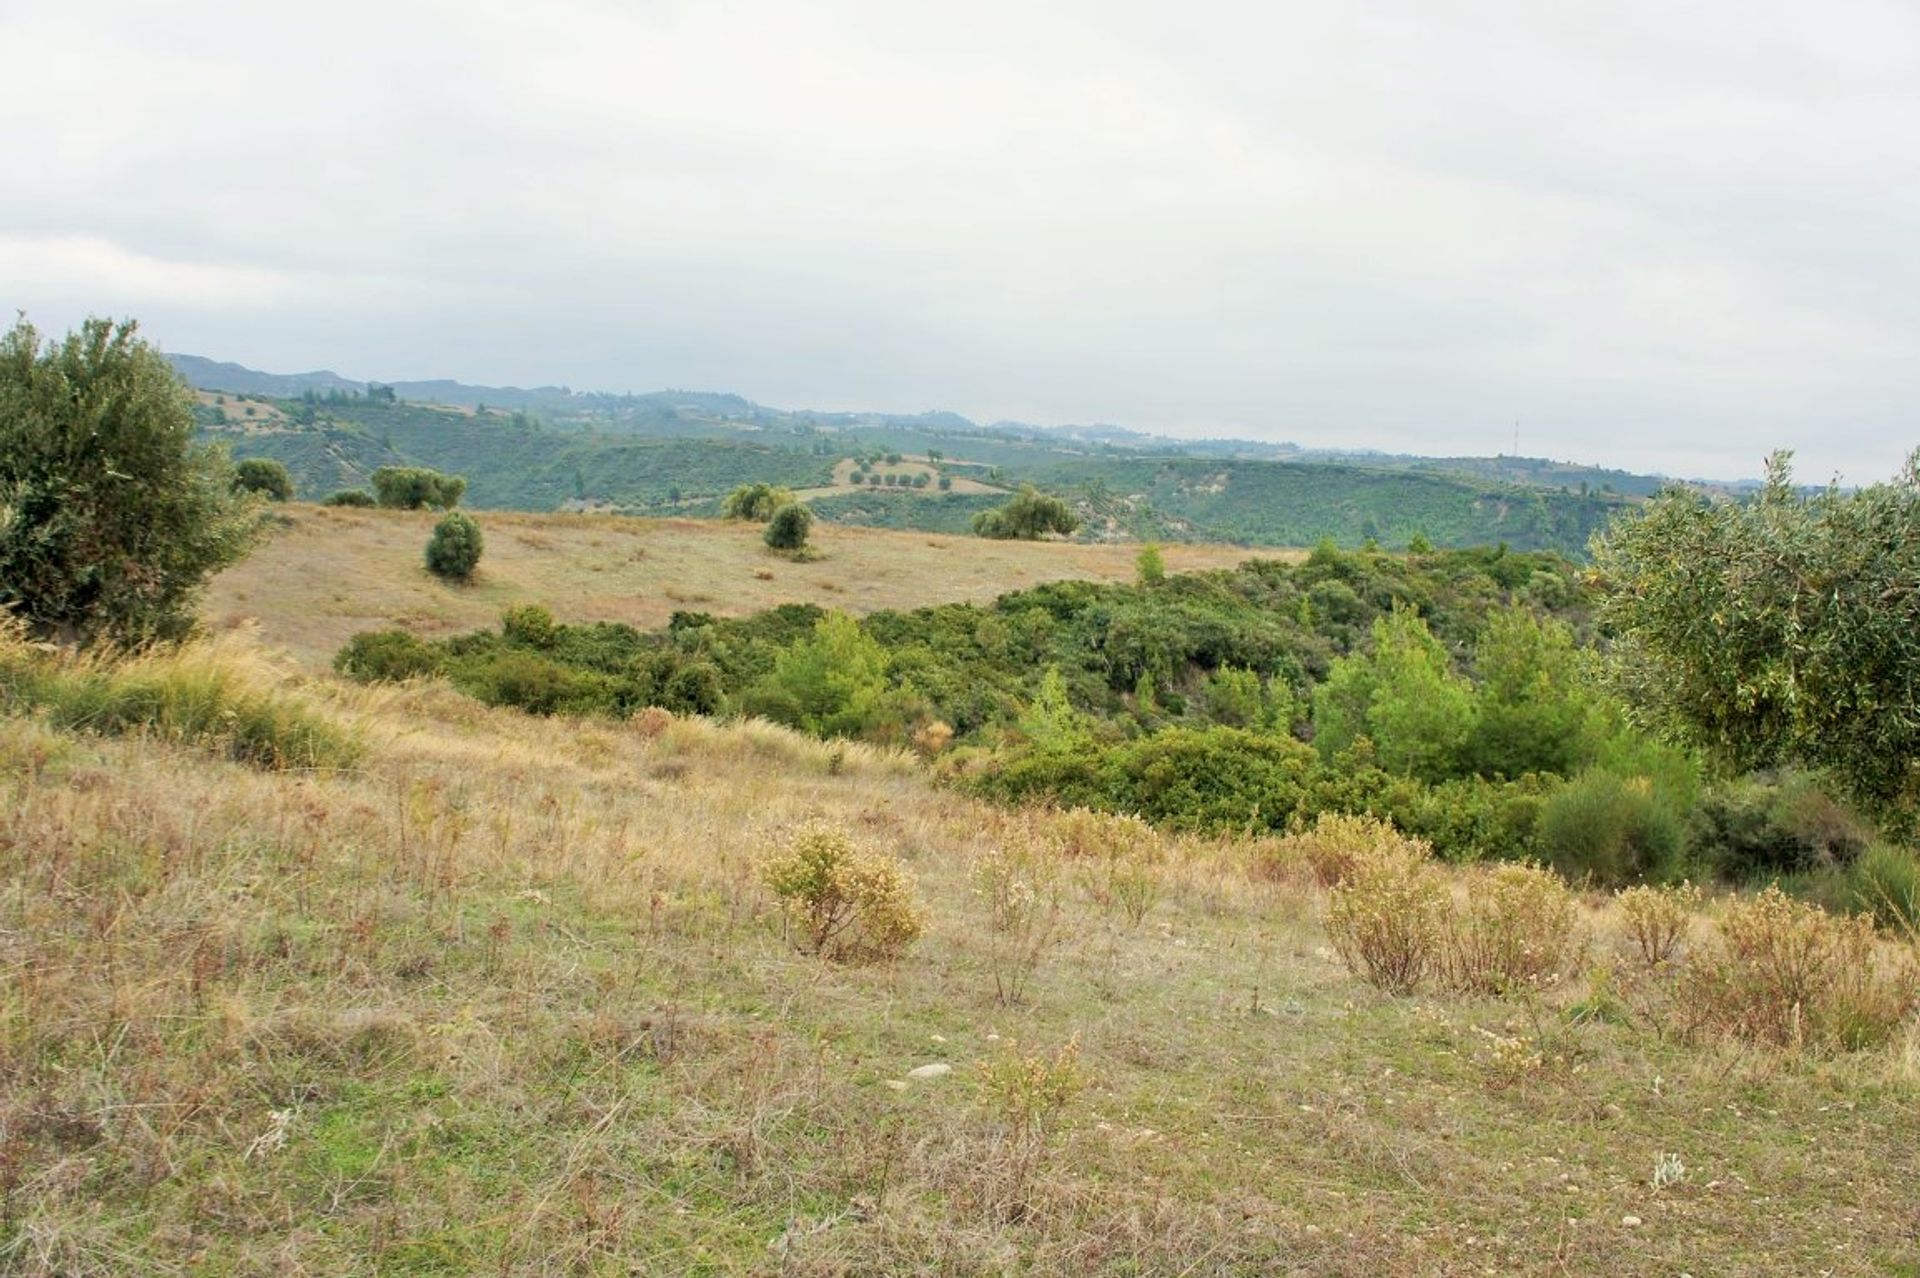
x,y
1664,237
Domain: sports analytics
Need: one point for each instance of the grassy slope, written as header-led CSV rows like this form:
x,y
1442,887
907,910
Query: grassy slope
x,y
511,1000
333,571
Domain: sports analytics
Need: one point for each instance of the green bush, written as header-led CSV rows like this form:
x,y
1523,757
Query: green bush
x,y
529,626
386,656
1759,828
349,497
1885,883
417,488
265,476
789,526
1611,830
453,552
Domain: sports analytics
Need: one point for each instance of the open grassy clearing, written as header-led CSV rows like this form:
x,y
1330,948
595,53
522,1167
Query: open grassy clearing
x,y
510,997
332,571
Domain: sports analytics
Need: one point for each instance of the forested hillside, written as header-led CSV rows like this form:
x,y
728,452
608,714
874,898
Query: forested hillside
x,y
679,454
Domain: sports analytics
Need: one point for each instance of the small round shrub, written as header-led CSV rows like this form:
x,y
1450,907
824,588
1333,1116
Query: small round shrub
x,y
265,476
1756,829
790,526
349,497
1610,830
453,552
1337,843
851,903
756,503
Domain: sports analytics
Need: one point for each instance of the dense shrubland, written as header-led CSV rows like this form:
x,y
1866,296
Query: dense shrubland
x,y
1458,695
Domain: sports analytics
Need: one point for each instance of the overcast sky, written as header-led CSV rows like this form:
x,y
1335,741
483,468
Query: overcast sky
x,y
1660,236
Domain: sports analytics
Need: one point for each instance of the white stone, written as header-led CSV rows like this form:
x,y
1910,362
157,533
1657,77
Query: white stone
x,y
938,1069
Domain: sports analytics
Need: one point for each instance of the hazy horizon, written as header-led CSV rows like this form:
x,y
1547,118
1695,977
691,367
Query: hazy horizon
x,y
1663,240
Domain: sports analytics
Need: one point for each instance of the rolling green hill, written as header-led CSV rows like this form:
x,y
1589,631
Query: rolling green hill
x,y
679,452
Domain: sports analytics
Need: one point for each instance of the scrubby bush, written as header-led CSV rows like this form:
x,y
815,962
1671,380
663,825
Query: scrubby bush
x,y
1758,828
1657,918
265,476
789,526
453,552
1337,843
1610,830
1387,919
850,903
417,488
1790,974
349,497
386,656
111,518
529,626
1518,931
1017,883
693,687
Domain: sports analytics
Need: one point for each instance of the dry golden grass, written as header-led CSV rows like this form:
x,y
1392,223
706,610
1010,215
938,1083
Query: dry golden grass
x,y
333,571
514,998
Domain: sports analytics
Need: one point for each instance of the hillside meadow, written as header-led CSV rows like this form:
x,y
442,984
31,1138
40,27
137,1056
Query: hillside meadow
x,y
304,977
327,572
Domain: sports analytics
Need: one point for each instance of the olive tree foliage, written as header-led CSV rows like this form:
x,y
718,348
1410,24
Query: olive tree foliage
x,y
417,488
265,476
756,503
1781,629
111,517
1030,515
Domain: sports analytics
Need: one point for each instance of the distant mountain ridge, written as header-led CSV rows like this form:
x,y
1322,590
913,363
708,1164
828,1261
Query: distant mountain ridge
x,y
665,408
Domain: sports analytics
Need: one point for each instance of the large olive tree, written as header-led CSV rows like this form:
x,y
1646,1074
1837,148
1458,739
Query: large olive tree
x,y
111,517
1785,628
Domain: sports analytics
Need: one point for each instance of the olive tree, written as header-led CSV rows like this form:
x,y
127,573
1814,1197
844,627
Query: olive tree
x,y
265,476
111,517
1785,628
1030,515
